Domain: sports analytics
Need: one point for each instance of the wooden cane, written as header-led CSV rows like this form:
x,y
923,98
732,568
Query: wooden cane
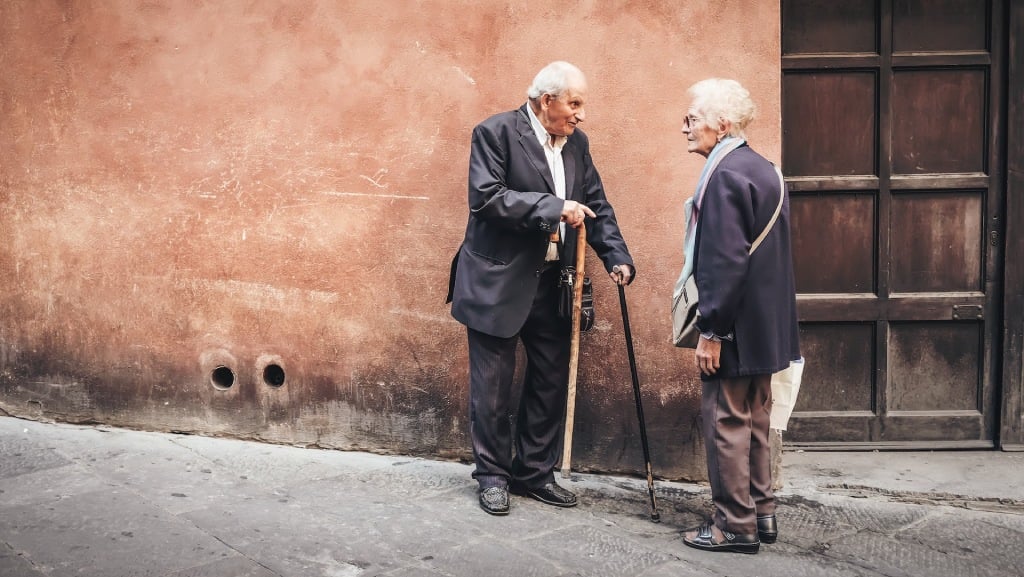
x,y
574,349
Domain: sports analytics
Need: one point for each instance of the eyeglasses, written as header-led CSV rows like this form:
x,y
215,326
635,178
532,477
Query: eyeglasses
x,y
690,121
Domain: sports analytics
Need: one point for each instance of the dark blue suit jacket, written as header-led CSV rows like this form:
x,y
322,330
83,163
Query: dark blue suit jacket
x,y
751,296
512,212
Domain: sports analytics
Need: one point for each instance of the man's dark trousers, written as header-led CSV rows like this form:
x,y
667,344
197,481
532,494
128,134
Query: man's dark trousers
x,y
492,362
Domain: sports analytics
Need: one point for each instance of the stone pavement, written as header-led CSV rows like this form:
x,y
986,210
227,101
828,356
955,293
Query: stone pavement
x,y
104,502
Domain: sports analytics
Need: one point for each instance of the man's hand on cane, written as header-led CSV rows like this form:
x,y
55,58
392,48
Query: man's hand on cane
x,y
573,214
622,274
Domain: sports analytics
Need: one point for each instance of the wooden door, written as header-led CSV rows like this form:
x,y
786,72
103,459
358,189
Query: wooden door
x,y
890,112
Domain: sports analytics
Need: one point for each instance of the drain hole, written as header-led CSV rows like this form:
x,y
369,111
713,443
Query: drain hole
x,y
273,375
222,378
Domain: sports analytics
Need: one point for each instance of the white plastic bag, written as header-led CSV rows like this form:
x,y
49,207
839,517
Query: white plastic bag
x,y
785,388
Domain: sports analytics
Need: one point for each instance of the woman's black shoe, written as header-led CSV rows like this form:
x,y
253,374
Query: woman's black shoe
x,y
733,542
767,528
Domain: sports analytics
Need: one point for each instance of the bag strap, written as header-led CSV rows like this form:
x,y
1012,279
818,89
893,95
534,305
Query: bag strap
x,y
778,209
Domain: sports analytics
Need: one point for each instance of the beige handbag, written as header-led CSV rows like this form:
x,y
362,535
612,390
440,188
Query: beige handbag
x,y
684,315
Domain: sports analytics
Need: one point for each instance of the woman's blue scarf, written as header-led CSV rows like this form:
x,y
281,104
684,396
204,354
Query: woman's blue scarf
x,y
691,209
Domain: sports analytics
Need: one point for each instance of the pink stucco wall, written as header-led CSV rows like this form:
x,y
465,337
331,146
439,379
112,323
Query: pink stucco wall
x,y
187,185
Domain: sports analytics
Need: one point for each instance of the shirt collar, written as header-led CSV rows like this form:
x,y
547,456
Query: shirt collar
x,y
542,135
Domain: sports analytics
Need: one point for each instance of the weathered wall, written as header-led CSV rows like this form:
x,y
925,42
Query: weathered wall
x,y
186,185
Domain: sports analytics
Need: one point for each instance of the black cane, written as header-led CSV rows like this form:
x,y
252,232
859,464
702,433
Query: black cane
x,y
639,405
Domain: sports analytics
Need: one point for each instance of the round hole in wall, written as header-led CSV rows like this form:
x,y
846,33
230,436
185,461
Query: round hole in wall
x,y
222,378
273,375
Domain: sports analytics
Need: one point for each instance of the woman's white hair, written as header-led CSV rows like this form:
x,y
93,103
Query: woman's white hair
x,y
722,99
555,79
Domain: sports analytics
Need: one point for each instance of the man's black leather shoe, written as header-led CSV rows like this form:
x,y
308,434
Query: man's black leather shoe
x,y
767,528
494,500
552,494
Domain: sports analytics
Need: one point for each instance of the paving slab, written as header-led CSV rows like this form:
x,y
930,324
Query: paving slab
x,y
955,477
105,533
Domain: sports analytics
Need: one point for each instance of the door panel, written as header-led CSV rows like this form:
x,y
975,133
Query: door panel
x,y
936,242
889,110
938,25
821,105
933,366
820,222
840,378
938,121
819,26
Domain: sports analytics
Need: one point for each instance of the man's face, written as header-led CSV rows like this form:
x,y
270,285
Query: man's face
x,y
561,115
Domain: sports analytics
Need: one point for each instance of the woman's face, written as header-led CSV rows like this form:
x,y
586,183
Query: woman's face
x,y
700,137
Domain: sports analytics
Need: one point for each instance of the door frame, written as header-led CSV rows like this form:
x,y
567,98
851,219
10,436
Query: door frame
x,y
1011,436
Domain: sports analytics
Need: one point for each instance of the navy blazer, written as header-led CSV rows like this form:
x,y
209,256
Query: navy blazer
x,y
751,296
512,211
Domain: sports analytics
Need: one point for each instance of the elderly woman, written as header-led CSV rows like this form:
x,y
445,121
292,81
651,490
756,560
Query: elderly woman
x,y
747,311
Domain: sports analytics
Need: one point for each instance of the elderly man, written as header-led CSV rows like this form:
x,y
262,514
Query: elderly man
x,y
532,184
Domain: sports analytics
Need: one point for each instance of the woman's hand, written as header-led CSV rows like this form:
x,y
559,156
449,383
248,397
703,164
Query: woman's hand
x,y
707,355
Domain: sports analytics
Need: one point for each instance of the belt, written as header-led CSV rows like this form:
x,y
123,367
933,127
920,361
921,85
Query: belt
x,y
550,265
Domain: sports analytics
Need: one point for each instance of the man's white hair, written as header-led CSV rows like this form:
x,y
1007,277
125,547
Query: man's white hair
x,y
555,79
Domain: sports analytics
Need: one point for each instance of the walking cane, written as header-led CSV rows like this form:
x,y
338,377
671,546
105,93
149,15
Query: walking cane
x,y
639,405
574,349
